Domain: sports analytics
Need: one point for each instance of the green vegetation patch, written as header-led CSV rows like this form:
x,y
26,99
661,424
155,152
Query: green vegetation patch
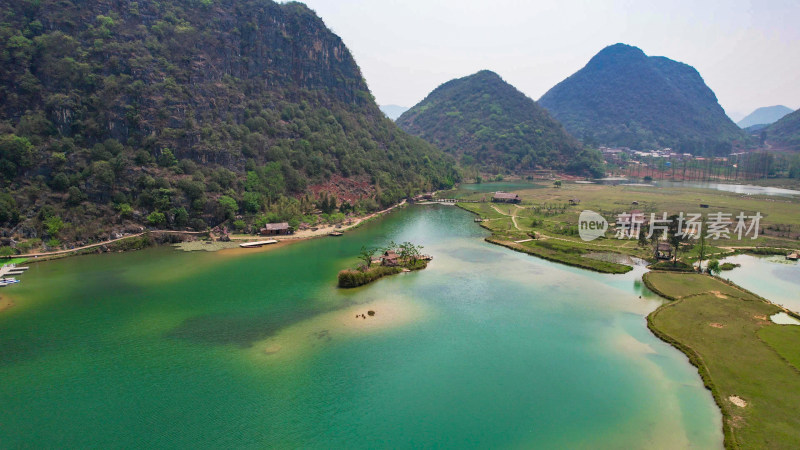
x,y
755,388
490,125
122,132
784,339
679,285
672,267
351,278
14,261
564,254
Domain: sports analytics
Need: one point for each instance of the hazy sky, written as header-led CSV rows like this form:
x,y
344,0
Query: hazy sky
x,y
748,52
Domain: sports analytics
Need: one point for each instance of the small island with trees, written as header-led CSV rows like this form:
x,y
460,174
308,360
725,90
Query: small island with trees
x,y
393,259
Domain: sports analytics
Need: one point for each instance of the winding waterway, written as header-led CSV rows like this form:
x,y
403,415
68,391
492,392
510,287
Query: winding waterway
x,y
485,348
772,277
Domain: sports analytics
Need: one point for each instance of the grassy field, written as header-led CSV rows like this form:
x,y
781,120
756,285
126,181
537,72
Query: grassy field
x,y
13,261
684,285
727,334
554,251
546,212
785,341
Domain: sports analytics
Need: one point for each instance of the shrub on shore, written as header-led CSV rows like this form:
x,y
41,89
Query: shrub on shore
x,y
350,278
672,267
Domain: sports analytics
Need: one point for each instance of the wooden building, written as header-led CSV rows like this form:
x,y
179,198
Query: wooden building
x,y
663,250
506,197
272,229
390,258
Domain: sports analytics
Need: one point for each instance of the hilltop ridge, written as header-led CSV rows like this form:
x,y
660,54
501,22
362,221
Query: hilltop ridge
x,y
489,124
624,97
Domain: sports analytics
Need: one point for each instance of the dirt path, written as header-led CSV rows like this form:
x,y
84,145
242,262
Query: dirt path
x,y
323,231
513,216
305,234
71,250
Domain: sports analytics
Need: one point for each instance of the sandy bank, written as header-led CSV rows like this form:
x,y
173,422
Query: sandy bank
x,y
326,328
299,235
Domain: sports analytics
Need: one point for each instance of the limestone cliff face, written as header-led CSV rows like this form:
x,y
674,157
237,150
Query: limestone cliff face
x,y
251,99
134,69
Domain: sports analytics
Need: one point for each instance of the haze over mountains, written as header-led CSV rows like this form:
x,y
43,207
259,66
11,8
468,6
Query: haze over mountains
x,y
177,113
624,97
764,116
393,111
487,122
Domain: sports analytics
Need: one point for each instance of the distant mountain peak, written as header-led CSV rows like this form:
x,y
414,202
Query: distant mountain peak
x,y
490,124
618,52
487,74
624,97
765,115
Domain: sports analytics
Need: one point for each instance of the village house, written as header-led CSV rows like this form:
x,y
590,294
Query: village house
x,y
505,197
663,251
272,229
390,258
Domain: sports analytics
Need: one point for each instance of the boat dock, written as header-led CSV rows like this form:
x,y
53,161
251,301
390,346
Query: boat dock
x,y
258,243
10,270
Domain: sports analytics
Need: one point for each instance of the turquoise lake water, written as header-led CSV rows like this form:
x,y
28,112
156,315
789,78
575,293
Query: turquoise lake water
x,y
772,277
486,348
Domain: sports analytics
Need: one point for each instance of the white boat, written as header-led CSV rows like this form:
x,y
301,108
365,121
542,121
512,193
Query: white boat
x,y
7,281
258,243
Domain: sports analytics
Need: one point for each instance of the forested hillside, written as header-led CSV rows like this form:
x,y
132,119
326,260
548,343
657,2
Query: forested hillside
x,y
488,123
179,113
785,133
623,97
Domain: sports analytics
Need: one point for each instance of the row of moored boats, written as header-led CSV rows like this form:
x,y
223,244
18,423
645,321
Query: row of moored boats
x,y
6,281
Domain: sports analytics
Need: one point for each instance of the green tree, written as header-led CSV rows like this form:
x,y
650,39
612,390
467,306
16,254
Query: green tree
x,y
410,252
226,208
714,267
166,158
15,152
156,218
642,238
9,213
53,225
676,236
557,183
125,210
181,217
365,254
75,196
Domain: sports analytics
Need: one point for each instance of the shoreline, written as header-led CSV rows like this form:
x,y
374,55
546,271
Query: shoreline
x,y
726,394
730,423
284,240
734,424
